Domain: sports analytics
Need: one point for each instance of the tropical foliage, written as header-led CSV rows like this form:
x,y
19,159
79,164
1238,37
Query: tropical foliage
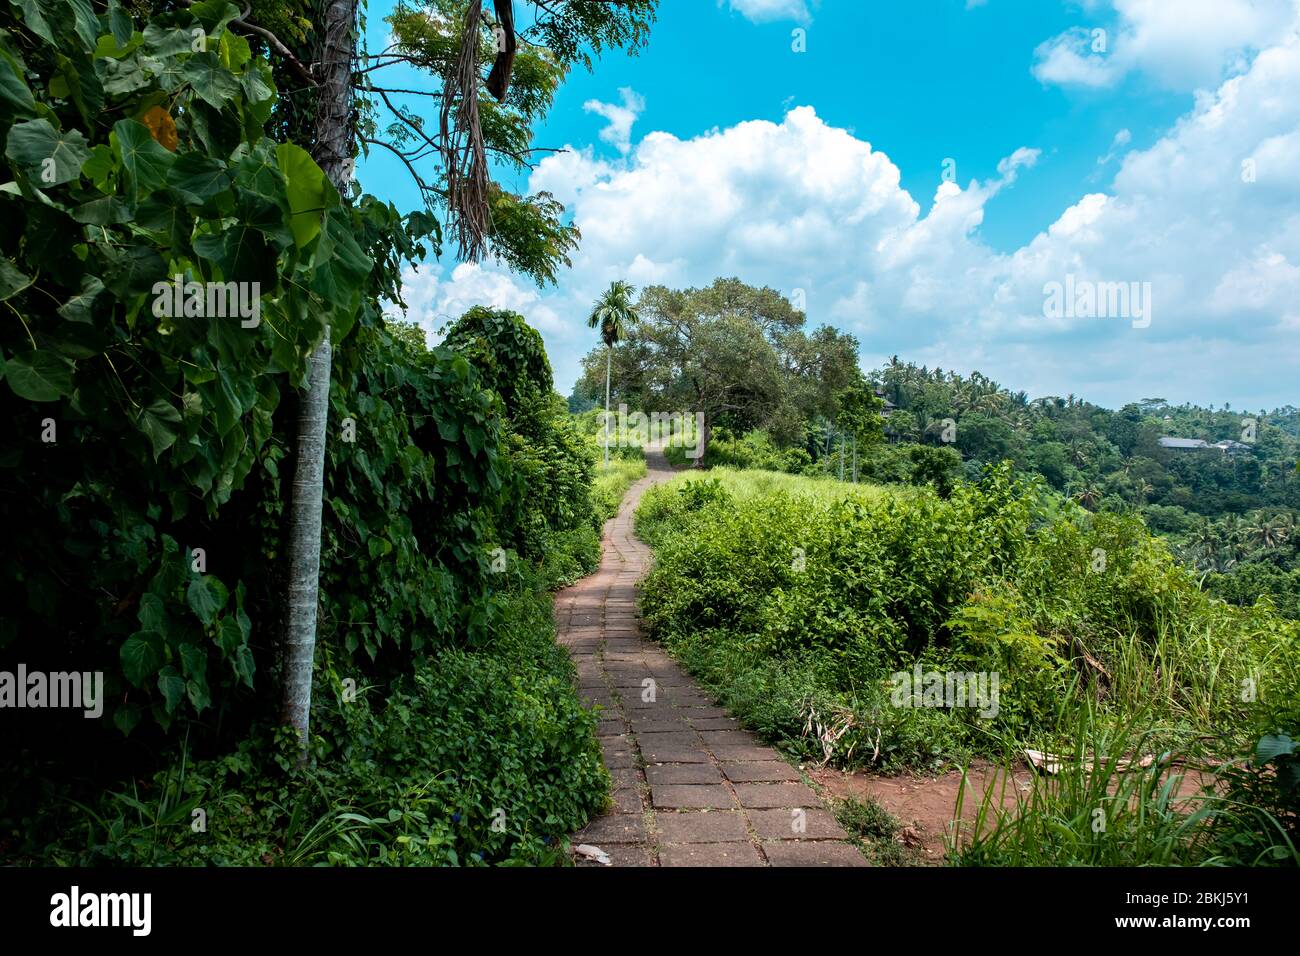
x,y
149,475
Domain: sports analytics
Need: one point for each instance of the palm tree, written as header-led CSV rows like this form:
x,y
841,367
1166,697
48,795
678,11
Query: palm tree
x,y
1268,531
612,314
1088,496
1205,538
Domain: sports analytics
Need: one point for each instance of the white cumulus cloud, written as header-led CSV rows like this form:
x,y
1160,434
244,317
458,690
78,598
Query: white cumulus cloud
x,y
621,117
765,11
1181,44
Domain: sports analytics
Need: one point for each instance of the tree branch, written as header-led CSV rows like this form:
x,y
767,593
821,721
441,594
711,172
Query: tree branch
x,y
425,189
273,41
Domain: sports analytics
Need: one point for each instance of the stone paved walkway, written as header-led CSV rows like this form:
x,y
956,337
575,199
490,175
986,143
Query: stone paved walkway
x,y
690,787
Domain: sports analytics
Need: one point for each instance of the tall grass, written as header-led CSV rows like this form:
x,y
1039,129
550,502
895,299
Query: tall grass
x,y
1104,808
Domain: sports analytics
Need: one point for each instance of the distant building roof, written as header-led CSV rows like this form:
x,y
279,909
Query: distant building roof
x,y
1229,445
1167,442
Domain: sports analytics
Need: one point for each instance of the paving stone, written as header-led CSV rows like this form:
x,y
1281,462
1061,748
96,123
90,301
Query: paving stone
x,y
697,713
625,800
729,738
667,754
662,774
701,826
760,771
776,795
714,723
783,825
796,853
743,754
709,854
691,796
649,739
633,702
679,697
676,679
624,776
620,760
644,722
612,828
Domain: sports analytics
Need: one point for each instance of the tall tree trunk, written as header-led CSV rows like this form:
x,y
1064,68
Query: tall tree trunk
x,y
705,436
609,360
332,149
855,458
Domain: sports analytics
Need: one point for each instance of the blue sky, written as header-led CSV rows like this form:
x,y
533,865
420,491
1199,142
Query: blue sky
x,y
1102,140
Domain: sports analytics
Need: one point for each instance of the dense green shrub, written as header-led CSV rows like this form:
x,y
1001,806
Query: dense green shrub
x,y
477,757
799,600
548,461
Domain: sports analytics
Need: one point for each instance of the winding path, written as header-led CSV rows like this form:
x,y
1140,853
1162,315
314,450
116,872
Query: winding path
x,y
690,787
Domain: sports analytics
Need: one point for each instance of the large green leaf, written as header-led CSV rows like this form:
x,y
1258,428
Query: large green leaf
x,y
172,686
142,655
308,191
167,41
132,270
61,20
162,423
85,22
104,211
214,84
77,308
1273,746
77,80
15,95
119,23
206,596
241,252
39,376
145,160
214,14
340,273
128,74
47,155
197,178
194,660
12,279
163,214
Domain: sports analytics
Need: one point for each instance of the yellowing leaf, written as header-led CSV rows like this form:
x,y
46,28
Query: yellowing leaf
x,y
161,127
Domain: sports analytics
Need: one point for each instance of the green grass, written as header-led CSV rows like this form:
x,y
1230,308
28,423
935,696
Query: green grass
x,y
612,483
744,484
875,830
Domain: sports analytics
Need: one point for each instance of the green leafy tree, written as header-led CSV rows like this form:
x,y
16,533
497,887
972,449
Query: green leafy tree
x,y
707,352
859,416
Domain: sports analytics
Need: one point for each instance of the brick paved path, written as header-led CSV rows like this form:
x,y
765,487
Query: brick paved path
x,y
690,787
